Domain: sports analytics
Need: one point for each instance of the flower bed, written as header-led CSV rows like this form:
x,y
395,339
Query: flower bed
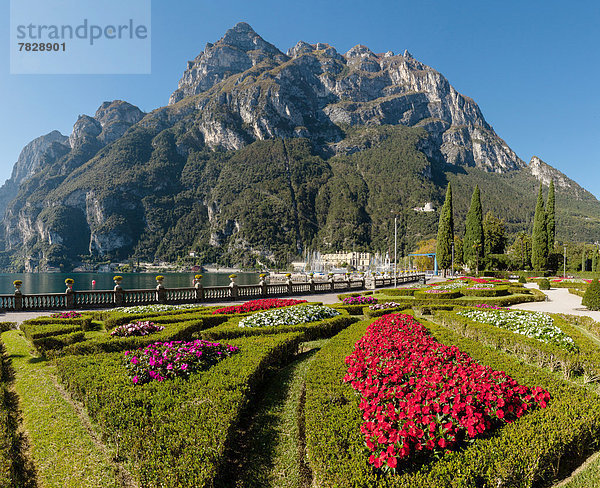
x,y
141,309
256,305
535,325
419,396
384,305
489,307
178,431
485,291
289,316
359,300
448,285
167,360
437,294
66,315
136,329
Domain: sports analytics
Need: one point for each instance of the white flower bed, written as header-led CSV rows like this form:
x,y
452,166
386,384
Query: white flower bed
x,y
483,286
530,324
155,308
289,316
455,285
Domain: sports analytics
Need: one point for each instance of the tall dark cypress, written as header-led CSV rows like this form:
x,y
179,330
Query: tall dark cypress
x,y
551,217
445,235
473,245
539,236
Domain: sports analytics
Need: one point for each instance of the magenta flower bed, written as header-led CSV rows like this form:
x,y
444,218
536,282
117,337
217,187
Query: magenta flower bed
x,y
360,300
491,307
167,360
136,329
66,315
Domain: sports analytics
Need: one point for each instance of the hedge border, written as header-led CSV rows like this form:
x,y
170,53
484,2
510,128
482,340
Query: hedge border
x,y
519,454
174,433
310,330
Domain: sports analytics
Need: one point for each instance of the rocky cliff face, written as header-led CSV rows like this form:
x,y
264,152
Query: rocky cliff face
x,y
545,173
42,150
248,90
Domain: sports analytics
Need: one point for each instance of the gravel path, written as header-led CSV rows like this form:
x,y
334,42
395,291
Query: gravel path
x,y
559,301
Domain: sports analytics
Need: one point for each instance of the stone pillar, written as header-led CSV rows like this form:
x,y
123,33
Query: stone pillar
x,y
18,298
233,287
331,282
289,282
311,283
119,296
70,297
199,289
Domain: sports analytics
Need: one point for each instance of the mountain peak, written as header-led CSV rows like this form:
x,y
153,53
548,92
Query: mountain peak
x,y
238,50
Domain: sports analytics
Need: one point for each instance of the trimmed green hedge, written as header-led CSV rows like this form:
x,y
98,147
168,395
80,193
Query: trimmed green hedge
x,y
532,449
50,344
85,323
310,330
177,332
445,295
4,326
120,318
356,294
35,331
498,291
400,292
174,433
351,309
577,291
408,302
11,469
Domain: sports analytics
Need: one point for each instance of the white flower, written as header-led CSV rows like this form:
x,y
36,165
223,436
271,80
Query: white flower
x,y
289,316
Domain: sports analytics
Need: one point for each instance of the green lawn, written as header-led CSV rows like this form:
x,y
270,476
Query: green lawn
x,y
63,452
270,454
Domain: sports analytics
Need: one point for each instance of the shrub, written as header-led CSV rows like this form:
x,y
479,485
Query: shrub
x,y
497,291
359,300
544,284
174,433
288,316
85,323
418,396
522,279
35,331
66,315
161,361
591,298
522,453
58,342
257,305
181,331
312,330
136,329
437,294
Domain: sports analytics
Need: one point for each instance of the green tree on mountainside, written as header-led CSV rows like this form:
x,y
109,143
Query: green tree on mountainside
x,y
473,244
445,233
539,235
551,217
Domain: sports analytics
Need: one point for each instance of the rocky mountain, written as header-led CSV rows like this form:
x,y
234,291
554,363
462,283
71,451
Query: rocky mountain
x,y
261,154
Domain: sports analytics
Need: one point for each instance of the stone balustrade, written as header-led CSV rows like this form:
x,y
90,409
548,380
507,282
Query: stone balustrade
x,y
120,297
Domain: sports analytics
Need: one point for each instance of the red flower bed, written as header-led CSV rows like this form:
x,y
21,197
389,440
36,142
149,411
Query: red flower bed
x,y
256,305
421,397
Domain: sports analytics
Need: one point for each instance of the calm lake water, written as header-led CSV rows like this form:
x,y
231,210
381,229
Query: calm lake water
x,y
55,282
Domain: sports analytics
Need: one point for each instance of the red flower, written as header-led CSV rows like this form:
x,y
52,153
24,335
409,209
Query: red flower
x,y
418,394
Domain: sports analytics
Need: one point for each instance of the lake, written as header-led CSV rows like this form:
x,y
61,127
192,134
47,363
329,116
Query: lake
x,y
55,282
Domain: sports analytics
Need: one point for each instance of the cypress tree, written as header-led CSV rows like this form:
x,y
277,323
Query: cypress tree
x,y
551,217
473,244
445,235
539,237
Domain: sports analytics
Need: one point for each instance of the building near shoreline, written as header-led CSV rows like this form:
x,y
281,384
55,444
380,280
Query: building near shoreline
x,y
357,260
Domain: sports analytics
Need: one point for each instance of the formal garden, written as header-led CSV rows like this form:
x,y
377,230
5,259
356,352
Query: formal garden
x,y
422,386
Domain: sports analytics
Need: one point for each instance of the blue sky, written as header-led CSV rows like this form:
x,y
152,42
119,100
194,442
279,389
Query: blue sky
x,y
533,67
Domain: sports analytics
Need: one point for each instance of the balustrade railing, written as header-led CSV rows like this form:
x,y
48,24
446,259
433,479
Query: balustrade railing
x,y
90,299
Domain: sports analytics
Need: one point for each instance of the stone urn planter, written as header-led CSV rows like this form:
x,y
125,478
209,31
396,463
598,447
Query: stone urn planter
x,y
69,282
197,280
17,284
159,282
118,280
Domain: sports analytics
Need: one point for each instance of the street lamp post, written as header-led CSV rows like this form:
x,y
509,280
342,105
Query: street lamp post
x,y
395,251
565,262
452,257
